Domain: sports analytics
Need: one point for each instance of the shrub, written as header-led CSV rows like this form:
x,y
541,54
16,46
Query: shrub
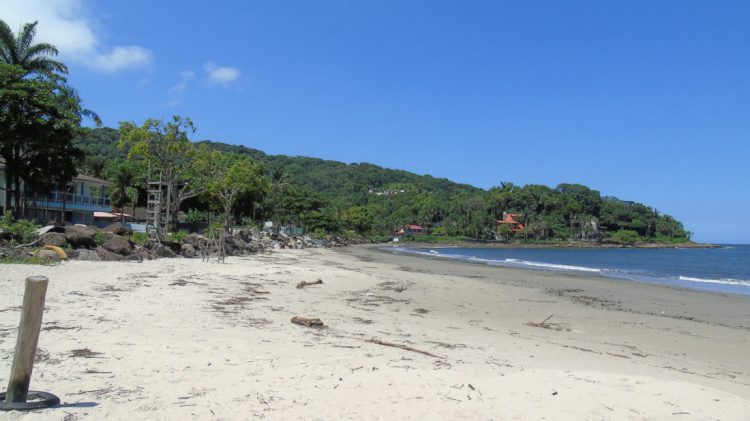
x,y
625,237
194,215
22,231
139,238
100,238
178,236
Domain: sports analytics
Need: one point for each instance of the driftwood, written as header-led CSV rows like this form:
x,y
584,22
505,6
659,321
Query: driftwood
x,y
304,283
405,347
307,321
27,245
545,325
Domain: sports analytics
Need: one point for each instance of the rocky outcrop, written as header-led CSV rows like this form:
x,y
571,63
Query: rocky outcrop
x,y
48,255
118,244
118,229
188,251
108,256
89,255
53,239
160,250
78,236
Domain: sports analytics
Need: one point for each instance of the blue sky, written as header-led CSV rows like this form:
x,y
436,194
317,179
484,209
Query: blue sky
x,y
647,101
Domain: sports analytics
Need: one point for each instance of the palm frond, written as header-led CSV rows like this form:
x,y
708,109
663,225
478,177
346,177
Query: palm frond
x,y
25,38
45,66
41,49
7,43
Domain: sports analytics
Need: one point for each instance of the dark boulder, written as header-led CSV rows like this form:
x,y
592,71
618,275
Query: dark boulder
x,y
188,251
118,229
78,236
108,256
89,255
53,239
118,244
160,250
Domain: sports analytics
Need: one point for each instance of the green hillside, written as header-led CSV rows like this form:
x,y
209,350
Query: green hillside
x,y
333,196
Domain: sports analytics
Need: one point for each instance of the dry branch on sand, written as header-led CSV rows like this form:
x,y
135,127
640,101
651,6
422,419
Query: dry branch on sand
x,y
405,347
307,321
305,283
545,325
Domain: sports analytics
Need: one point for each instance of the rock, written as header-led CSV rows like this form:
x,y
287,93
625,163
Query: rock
x,y
188,251
48,255
89,255
143,254
175,246
50,228
118,229
119,245
53,238
229,246
80,236
162,251
60,252
132,258
195,240
107,255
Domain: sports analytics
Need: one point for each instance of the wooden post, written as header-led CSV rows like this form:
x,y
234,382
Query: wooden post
x,y
28,336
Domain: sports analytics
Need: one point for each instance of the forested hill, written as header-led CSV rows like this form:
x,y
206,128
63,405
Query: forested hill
x,y
330,196
344,184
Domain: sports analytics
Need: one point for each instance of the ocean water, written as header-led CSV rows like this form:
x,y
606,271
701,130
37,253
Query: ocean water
x,y
725,269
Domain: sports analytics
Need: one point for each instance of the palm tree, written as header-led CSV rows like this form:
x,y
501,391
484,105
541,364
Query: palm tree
x,y
18,50
123,192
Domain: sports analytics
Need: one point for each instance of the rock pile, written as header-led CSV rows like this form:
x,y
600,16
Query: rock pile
x,y
113,243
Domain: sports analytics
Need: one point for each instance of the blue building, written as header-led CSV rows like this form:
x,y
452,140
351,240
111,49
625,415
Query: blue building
x,y
83,196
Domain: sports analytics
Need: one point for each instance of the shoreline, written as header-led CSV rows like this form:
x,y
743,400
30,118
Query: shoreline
x,y
736,315
178,339
568,245
675,281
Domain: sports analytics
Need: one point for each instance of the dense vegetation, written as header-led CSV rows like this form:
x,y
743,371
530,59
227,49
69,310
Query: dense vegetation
x,y
367,199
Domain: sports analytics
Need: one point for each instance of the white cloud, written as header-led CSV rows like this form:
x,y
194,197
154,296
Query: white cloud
x,y
185,77
121,58
221,75
67,24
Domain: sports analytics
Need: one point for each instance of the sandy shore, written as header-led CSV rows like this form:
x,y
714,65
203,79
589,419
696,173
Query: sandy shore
x,y
178,339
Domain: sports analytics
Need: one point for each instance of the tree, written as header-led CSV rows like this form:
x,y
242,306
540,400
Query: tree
x,y
123,190
38,120
168,152
19,50
231,176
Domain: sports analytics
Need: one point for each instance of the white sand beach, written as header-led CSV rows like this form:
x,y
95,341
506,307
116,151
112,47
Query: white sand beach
x,y
177,339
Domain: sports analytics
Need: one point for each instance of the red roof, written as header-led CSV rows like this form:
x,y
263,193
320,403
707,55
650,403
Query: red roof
x,y
414,227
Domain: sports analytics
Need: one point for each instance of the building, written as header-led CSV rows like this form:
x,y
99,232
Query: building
x,y
407,230
512,220
83,196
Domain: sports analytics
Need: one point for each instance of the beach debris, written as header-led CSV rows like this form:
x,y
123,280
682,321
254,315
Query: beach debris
x,y
308,322
421,311
392,286
84,353
60,252
305,283
404,347
545,325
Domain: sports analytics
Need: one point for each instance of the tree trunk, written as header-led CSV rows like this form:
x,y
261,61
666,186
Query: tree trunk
x,y
8,183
